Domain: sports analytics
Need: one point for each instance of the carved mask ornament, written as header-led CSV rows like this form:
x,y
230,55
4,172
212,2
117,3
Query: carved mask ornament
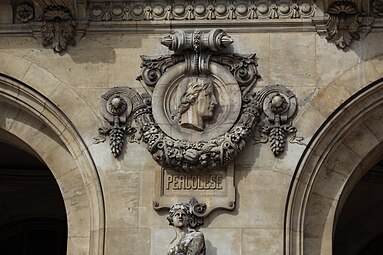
x,y
200,108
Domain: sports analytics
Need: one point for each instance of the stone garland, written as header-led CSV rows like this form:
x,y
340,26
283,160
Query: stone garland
x,y
201,155
121,105
184,10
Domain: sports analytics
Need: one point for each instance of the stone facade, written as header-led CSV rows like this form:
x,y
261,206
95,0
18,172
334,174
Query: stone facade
x,y
285,203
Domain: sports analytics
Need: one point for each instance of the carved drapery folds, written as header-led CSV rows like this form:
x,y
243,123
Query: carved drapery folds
x,y
201,106
345,23
190,10
58,27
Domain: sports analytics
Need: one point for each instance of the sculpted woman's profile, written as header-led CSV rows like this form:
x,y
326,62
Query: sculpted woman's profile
x,y
187,241
197,104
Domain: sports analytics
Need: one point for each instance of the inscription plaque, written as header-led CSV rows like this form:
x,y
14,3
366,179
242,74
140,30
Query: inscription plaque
x,y
215,188
193,182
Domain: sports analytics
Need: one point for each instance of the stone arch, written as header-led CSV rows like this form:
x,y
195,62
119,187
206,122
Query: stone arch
x,y
348,143
50,134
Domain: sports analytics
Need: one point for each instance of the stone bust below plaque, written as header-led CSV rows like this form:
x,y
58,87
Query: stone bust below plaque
x,y
197,104
188,241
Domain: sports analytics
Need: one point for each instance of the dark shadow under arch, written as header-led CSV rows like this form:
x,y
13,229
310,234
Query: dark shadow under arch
x,y
33,218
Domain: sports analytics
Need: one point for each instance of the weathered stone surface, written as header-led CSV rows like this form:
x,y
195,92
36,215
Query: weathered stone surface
x,y
252,244
122,197
322,77
288,64
329,98
372,124
41,80
326,61
360,139
13,65
128,241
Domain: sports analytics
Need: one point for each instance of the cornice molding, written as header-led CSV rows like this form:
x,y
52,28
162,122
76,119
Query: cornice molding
x,y
131,11
105,17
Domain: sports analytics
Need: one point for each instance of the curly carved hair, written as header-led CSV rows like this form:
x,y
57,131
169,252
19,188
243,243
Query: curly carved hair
x,y
179,206
194,86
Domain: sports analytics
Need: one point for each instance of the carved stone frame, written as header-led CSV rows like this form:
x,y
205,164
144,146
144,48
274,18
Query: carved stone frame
x,y
225,199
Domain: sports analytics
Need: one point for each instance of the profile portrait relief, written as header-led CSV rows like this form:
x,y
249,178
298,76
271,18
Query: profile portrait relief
x,y
197,104
188,241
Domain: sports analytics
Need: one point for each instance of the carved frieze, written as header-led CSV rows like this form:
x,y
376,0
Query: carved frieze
x,y
199,10
58,27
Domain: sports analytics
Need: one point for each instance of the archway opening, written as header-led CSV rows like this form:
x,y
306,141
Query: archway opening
x,y
33,217
359,229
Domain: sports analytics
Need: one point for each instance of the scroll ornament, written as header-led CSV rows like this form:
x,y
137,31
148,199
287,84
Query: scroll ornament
x,y
195,55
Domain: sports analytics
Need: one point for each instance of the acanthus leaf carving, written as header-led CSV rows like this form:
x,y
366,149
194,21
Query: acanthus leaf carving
x,y
346,24
243,67
58,27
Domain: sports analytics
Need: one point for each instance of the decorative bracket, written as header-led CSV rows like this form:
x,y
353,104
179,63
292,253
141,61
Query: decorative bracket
x,y
58,27
345,24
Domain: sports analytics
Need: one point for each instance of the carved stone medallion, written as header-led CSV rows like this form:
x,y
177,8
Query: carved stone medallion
x,y
201,107
200,110
202,100
177,111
